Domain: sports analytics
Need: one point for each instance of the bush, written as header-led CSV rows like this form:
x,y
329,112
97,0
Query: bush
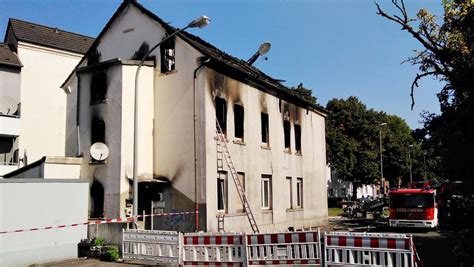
x,y
110,253
97,241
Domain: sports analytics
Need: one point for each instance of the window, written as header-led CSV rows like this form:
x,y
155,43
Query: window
x,y
238,202
290,191
222,191
264,122
299,192
298,138
266,191
98,87
221,113
286,129
167,55
239,121
97,131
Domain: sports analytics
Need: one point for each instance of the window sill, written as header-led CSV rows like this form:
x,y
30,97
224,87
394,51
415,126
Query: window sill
x,y
266,211
287,151
298,154
98,102
168,72
239,142
98,162
294,210
236,214
267,147
217,139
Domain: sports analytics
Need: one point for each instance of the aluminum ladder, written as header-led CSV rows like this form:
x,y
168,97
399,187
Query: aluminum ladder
x,y
223,151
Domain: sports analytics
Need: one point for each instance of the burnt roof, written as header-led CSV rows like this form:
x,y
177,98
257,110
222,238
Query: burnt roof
x,y
49,37
220,61
8,57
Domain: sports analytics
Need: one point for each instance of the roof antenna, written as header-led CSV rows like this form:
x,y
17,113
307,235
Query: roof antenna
x,y
262,50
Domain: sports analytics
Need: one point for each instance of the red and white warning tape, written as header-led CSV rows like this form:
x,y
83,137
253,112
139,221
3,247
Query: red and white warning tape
x,y
127,219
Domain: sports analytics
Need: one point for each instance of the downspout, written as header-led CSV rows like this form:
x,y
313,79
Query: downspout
x,y
78,102
201,61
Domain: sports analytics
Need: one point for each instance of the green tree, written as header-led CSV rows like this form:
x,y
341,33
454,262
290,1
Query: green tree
x,y
448,55
305,93
352,138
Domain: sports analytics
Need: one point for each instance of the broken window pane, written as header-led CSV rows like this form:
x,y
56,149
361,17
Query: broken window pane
x,y
97,131
167,56
239,121
286,129
298,138
98,87
221,113
264,122
221,192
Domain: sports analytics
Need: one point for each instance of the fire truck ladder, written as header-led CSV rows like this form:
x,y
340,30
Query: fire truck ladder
x,y
223,152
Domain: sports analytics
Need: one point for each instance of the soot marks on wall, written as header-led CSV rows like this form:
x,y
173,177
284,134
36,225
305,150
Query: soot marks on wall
x,y
141,52
94,57
224,87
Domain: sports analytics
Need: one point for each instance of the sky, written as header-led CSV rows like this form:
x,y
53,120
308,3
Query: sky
x,y
336,48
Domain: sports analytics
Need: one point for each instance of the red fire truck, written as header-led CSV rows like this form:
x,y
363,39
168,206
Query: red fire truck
x,y
413,207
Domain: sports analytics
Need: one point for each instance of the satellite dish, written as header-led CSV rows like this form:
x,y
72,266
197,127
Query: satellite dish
x,y
8,105
264,48
99,151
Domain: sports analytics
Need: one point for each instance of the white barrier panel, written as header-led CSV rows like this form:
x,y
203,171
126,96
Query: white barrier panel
x,y
214,249
284,248
150,245
368,249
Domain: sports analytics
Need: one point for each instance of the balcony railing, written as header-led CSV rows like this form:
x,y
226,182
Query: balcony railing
x,y
9,125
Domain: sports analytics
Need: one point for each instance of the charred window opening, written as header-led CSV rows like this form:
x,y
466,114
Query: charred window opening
x,y
287,129
167,56
264,123
97,131
239,121
97,199
298,138
221,113
98,87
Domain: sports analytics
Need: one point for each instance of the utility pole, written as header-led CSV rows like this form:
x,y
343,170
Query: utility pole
x,y
382,185
409,161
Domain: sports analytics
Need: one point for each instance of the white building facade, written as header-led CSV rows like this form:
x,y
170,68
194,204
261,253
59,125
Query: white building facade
x,y
276,139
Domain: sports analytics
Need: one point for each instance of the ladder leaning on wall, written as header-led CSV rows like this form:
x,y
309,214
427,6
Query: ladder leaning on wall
x,y
223,153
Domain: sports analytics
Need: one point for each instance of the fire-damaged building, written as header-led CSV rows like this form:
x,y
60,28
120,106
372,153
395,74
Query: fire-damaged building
x,y
275,137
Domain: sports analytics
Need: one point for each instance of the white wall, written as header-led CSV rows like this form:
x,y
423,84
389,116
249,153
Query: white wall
x,y
31,203
43,103
254,161
10,83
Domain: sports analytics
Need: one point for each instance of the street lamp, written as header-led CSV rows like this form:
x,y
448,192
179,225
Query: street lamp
x,y
200,22
381,158
409,161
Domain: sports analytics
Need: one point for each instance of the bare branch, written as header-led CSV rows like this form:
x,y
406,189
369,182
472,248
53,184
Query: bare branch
x,y
415,84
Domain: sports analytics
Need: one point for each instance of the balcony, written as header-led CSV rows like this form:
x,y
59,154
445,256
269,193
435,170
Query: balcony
x,y
9,125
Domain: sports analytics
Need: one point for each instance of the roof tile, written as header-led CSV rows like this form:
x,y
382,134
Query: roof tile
x,y
8,57
50,37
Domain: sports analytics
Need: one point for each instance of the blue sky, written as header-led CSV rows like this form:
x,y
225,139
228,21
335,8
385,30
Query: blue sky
x,y
337,48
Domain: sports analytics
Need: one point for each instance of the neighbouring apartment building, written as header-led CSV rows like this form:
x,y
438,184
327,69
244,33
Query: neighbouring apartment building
x,y
34,60
276,139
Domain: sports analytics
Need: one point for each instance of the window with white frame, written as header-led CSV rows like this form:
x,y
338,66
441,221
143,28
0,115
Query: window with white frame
x,y
222,192
290,191
266,192
239,204
299,192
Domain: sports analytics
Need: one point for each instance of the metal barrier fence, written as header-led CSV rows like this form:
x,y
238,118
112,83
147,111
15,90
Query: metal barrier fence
x,y
284,248
368,249
214,249
151,245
